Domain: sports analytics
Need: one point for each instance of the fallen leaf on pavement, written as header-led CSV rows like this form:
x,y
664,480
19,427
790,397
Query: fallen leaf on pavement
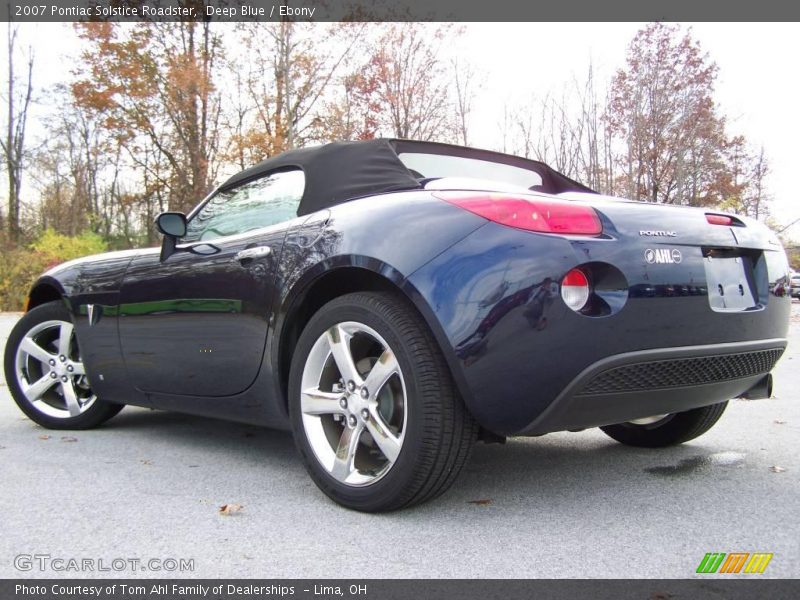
x,y
777,422
146,462
69,438
230,509
482,502
44,437
777,469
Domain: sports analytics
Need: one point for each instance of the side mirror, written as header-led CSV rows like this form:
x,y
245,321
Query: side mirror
x,y
172,224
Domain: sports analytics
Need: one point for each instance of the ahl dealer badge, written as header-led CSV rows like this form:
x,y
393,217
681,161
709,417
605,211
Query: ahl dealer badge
x,y
663,256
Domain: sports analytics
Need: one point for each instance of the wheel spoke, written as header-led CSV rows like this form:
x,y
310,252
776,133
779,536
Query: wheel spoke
x,y
339,342
346,452
78,368
388,443
381,372
316,402
64,337
39,387
71,399
31,348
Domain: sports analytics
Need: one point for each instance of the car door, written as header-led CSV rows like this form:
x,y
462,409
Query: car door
x,y
196,322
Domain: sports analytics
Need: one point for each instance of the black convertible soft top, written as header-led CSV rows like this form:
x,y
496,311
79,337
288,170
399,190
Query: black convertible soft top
x,y
341,171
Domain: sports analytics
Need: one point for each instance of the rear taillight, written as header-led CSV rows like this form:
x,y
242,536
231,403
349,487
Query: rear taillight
x,y
575,289
532,214
719,219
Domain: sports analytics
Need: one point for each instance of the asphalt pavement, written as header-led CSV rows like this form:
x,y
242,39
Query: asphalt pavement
x,y
148,487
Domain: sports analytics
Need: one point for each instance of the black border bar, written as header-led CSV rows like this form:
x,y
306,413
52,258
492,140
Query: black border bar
x,y
397,10
711,587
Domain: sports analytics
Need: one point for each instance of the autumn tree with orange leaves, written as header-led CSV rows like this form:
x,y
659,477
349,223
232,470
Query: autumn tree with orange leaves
x,y
154,85
662,109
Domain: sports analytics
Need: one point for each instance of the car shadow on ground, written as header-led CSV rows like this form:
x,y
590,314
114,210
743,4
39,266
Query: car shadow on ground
x,y
206,436
562,465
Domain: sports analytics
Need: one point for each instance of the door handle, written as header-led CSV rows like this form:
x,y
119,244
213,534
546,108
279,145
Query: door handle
x,y
253,253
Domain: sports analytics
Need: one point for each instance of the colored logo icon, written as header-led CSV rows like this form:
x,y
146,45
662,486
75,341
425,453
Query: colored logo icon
x,y
735,562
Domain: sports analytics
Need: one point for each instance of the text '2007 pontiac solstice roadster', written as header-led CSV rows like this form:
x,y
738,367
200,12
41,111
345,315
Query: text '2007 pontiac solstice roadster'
x,y
391,302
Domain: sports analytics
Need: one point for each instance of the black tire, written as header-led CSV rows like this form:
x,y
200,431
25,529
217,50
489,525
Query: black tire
x,y
92,416
439,432
673,429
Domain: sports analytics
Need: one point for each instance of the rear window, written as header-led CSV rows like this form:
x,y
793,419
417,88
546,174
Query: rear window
x,y
430,166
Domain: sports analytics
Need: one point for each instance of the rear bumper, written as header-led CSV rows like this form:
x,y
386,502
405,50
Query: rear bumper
x,y
657,381
522,360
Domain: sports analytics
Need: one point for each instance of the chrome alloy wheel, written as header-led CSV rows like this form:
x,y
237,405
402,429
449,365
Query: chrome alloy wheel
x,y
50,372
353,404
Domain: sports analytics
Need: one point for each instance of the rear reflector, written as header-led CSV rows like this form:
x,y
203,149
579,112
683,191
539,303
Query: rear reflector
x,y
530,213
719,219
575,289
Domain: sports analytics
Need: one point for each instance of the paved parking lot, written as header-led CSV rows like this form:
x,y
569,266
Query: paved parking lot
x,y
149,484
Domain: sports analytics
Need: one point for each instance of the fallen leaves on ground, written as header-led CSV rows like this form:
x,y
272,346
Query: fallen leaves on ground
x,y
778,422
777,469
69,438
229,510
144,461
44,437
481,502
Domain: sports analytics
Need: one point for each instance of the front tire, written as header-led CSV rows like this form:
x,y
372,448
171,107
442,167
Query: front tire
x,y
45,373
376,416
670,430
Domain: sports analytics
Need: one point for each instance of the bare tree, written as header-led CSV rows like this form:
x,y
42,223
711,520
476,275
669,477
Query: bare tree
x,y
406,84
292,67
464,87
14,144
758,196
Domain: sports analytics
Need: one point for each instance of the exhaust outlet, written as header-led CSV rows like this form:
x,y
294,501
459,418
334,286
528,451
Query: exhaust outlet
x,y
761,390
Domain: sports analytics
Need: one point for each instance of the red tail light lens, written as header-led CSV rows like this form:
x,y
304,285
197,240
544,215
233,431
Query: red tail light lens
x,y
719,219
575,289
532,214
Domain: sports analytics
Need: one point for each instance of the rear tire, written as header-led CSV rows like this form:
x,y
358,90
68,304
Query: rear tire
x,y
671,430
403,442
45,373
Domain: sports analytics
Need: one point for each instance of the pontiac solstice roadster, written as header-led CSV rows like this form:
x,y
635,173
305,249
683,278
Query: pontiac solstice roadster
x,y
391,302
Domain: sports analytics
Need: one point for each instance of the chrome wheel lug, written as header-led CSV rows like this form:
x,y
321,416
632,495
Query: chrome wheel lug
x,y
70,368
52,362
353,421
62,358
351,386
365,414
343,402
364,393
53,374
64,379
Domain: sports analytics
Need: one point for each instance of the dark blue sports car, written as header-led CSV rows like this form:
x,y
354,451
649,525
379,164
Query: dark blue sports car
x,y
391,302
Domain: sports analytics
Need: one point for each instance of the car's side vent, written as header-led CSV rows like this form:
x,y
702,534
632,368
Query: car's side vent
x,y
680,372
